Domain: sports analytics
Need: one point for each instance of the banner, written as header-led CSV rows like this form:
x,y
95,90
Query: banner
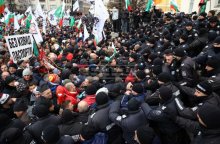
x,y
20,46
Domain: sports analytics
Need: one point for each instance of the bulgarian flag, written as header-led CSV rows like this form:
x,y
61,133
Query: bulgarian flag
x,y
59,13
202,6
9,19
2,6
79,24
149,5
128,5
28,21
174,6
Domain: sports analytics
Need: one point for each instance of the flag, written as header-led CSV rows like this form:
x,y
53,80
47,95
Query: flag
x,y
35,49
202,6
79,24
28,11
38,11
35,30
86,34
76,6
28,21
52,18
2,6
16,25
128,5
173,5
9,19
72,21
61,22
149,5
101,11
60,11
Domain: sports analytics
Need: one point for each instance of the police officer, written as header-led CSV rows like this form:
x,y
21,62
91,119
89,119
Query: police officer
x,y
191,32
185,68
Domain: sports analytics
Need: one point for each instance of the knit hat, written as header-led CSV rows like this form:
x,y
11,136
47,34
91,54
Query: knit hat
x,y
213,62
189,23
20,105
11,135
138,88
67,116
165,93
204,87
27,71
133,104
66,81
13,65
179,52
52,77
101,98
4,98
217,40
91,90
210,115
9,79
141,74
134,56
164,77
40,111
51,134
42,88
44,101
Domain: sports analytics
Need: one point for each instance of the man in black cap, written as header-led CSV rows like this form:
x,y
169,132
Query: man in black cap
x,y
99,121
168,131
214,25
190,32
20,109
134,119
185,68
183,42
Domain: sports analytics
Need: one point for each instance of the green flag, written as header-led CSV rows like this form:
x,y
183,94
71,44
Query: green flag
x,y
72,21
35,51
149,5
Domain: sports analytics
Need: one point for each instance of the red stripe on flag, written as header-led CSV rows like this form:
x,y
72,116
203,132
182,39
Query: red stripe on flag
x,y
129,8
2,8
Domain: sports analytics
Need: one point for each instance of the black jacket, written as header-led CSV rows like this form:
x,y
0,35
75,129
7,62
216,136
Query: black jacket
x,y
70,128
37,127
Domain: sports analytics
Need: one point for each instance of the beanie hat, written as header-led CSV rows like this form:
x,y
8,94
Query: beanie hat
x,y
157,70
9,79
164,77
67,116
13,65
40,111
104,89
179,52
27,71
130,78
20,105
4,98
42,88
11,135
158,61
44,101
217,40
52,77
133,104
213,62
66,81
101,98
91,90
204,87
134,56
165,93
210,115
141,74
213,19
51,134
138,88
189,23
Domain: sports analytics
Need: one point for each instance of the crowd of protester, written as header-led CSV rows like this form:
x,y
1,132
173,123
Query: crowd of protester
x,y
161,87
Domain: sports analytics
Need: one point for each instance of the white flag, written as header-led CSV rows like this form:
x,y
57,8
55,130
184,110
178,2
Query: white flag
x,y
28,11
35,30
52,18
76,6
86,34
16,25
101,11
38,11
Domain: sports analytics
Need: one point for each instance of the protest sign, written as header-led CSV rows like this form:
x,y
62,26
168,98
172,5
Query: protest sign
x,y
20,46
